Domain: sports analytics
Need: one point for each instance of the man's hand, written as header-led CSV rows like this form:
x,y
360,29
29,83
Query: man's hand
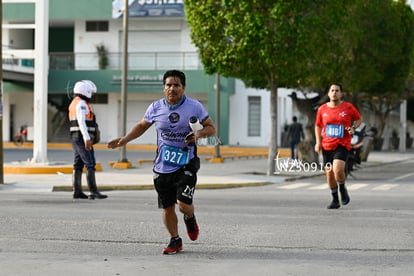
x,y
117,142
351,130
190,138
318,148
88,145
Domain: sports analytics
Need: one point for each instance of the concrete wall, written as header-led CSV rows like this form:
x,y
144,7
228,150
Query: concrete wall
x,y
238,126
393,123
139,30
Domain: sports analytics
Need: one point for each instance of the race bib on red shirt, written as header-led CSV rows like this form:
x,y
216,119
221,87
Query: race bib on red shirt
x,y
334,131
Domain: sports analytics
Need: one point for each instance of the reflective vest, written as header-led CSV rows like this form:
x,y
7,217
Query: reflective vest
x,y
90,119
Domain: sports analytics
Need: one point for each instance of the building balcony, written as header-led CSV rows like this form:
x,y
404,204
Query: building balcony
x,y
136,61
23,69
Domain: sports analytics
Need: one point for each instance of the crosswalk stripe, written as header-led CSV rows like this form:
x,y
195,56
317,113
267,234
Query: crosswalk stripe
x,y
385,187
294,186
351,187
402,177
354,187
319,187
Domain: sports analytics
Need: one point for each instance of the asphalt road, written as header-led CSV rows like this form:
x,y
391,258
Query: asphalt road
x,y
279,229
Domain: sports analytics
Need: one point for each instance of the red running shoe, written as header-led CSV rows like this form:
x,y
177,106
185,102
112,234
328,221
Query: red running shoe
x,y
175,246
192,227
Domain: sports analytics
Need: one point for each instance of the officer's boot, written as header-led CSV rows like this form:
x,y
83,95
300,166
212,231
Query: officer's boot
x,y
77,185
94,193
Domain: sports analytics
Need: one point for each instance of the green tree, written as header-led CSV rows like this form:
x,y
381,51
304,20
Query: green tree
x,y
382,57
376,62
266,43
102,56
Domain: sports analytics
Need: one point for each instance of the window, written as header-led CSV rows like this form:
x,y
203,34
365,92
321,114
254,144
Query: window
x,y
97,26
254,110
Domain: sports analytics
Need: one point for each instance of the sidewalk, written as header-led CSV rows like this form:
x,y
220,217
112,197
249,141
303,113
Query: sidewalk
x,y
232,173
241,172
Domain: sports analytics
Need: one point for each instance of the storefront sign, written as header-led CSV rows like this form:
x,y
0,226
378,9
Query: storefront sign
x,y
149,8
151,80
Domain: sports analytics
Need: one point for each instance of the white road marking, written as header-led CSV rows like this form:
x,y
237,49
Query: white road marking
x,y
319,187
385,187
401,177
354,187
295,186
351,187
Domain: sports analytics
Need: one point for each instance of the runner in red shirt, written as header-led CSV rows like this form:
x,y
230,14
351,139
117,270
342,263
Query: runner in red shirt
x,y
335,123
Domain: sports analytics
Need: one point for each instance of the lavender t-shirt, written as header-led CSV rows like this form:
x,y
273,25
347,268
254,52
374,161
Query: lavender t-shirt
x,y
172,125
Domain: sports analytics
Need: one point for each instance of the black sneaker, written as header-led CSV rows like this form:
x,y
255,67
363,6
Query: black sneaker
x,y
344,195
80,195
175,246
334,205
192,228
97,195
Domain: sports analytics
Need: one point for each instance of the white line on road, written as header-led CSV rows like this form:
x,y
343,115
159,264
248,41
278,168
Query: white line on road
x,y
294,186
385,187
319,187
351,187
401,177
354,187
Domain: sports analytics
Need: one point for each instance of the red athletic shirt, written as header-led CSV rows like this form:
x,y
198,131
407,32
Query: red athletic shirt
x,y
333,121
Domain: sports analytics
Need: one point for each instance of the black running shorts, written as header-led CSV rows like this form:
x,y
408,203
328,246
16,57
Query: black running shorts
x,y
179,185
329,156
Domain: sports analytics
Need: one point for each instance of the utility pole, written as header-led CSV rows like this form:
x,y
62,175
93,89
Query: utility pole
x,y
403,126
217,143
1,96
122,157
40,81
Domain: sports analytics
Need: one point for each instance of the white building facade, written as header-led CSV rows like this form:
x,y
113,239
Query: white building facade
x,y
155,44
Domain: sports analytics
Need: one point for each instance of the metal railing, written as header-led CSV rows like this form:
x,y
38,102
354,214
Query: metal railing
x,y
136,61
18,65
90,61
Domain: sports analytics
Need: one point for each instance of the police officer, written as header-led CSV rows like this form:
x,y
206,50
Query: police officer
x,y
84,133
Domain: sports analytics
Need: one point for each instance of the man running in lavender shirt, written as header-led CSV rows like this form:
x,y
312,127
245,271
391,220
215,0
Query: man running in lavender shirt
x,y
176,163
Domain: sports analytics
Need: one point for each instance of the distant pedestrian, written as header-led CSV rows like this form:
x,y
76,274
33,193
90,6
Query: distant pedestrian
x,y
84,134
176,163
295,135
335,124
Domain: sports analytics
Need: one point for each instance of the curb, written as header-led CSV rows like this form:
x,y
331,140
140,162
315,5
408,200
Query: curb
x,y
137,187
28,168
228,152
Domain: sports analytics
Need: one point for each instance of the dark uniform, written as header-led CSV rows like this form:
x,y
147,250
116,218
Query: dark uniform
x,y
84,133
